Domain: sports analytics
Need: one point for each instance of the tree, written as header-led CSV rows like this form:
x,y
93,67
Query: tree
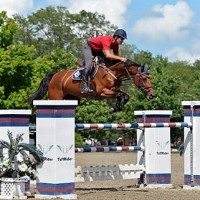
x,y
8,28
15,74
52,28
21,70
144,57
128,51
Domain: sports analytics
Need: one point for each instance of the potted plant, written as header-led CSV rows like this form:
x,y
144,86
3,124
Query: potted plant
x,y
17,162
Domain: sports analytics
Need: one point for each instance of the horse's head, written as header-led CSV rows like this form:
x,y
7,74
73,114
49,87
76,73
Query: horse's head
x,y
141,77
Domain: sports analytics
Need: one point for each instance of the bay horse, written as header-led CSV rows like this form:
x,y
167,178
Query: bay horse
x,y
105,84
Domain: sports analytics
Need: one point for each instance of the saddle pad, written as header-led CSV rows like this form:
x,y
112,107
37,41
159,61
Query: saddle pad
x,y
77,74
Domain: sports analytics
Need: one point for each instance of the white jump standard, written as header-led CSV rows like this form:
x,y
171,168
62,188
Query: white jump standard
x,y
157,155
192,145
55,125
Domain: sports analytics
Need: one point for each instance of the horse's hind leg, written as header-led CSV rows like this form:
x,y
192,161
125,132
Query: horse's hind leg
x,y
122,99
54,93
55,97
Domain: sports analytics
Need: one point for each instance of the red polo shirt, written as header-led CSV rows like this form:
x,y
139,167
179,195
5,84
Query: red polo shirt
x,y
103,43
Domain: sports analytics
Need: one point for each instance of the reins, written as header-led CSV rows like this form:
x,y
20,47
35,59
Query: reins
x,y
108,70
132,81
129,74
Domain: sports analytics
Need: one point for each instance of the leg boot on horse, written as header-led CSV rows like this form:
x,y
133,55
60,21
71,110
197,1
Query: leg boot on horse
x,y
85,82
122,99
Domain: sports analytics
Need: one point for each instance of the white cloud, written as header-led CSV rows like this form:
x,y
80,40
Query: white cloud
x,y
114,12
165,23
189,55
16,6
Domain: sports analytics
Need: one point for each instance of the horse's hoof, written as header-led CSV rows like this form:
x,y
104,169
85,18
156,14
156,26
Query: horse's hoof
x,y
112,110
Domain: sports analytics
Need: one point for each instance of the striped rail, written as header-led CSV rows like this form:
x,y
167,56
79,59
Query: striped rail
x,y
126,126
131,125
108,149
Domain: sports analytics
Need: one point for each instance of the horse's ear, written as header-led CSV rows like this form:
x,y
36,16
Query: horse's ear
x,y
148,68
142,67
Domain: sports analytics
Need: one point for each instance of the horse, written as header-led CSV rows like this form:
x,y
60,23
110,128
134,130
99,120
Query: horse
x,y
105,83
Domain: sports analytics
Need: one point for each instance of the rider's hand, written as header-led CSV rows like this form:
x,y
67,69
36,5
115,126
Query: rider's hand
x,y
123,60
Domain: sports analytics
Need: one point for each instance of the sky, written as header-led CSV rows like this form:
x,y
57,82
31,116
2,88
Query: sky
x,y
168,28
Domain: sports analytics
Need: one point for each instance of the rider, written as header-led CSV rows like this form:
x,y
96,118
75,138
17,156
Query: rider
x,y
95,47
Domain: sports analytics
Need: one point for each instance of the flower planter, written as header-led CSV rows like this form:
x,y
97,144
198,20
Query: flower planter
x,y
18,163
11,188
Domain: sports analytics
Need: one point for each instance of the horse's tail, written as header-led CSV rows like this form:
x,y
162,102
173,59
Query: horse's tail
x,y
42,89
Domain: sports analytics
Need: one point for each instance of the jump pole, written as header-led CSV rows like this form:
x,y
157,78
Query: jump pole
x,y
157,155
192,145
17,122
55,125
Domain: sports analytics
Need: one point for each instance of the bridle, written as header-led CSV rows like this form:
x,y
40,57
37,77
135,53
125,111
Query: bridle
x,y
141,83
140,73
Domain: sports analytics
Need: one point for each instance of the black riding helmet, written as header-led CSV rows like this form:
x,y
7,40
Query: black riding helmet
x,y
120,33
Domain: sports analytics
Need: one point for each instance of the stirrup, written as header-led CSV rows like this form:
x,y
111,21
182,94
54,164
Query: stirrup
x,y
86,90
90,90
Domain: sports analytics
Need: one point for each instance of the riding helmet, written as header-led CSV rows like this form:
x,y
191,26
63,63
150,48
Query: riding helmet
x,y
120,33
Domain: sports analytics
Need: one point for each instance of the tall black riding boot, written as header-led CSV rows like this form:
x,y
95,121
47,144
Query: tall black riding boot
x,y
85,85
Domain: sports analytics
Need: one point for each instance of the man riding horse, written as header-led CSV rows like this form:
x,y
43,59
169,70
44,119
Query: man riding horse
x,y
106,80
95,47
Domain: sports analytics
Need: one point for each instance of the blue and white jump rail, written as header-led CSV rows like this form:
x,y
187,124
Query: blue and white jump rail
x,y
108,149
131,126
79,126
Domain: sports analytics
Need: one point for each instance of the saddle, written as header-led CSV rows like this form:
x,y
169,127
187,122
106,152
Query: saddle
x,y
77,74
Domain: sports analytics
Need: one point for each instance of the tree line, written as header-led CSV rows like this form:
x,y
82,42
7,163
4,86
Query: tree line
x,y
51,39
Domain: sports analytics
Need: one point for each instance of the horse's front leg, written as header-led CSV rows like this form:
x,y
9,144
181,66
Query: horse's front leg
x,y
122,99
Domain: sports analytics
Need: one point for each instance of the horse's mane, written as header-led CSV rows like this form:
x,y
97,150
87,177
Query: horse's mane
x,y
131,63
127,63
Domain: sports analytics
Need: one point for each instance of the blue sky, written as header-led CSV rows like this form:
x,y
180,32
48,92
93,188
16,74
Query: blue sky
x,y
169,28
